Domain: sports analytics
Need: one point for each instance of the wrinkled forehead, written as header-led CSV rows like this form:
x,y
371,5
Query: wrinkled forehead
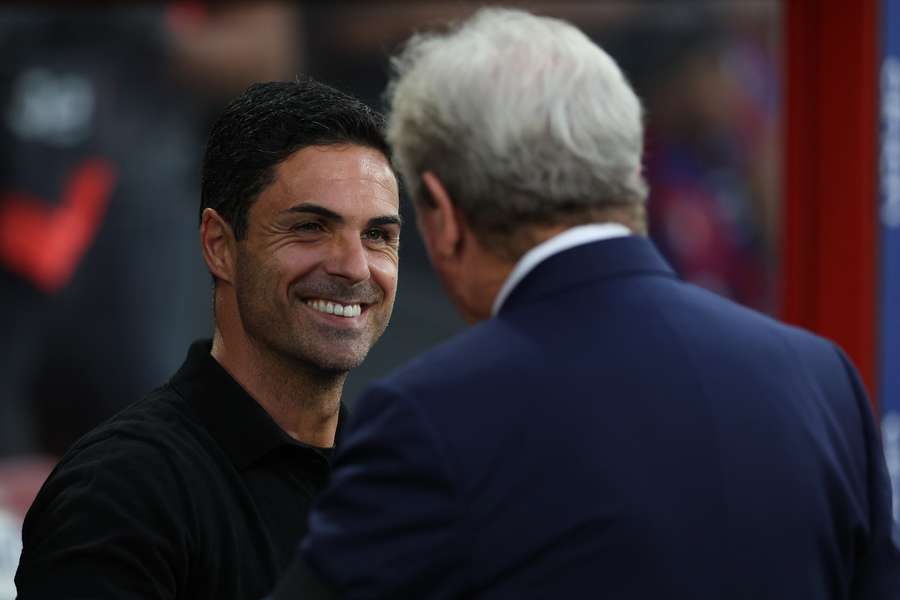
x,y
350,180
337,163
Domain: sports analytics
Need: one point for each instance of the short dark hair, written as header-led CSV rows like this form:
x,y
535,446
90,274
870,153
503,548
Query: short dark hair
x,y
268,123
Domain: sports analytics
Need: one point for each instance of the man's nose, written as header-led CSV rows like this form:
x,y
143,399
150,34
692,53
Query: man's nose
x,y
348,259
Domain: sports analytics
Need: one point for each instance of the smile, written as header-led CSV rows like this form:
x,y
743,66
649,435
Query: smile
x,y
335,308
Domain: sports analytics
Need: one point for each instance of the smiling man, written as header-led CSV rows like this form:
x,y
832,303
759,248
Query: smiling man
x,y
200,489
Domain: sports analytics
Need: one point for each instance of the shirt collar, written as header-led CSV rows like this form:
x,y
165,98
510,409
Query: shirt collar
x,y
575,236
242,427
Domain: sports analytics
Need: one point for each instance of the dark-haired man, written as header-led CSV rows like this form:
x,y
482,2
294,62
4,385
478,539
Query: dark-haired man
x,y
194,491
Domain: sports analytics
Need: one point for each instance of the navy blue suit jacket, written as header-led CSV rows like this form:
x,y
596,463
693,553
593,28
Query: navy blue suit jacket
x,y
613,433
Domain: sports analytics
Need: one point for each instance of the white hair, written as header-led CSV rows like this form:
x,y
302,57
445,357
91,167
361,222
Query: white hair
x,y
522,118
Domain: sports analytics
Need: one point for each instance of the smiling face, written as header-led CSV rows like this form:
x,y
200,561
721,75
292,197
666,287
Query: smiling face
x,y
316,275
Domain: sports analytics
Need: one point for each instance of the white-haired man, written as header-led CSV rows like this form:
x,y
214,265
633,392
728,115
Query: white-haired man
x,y
605,430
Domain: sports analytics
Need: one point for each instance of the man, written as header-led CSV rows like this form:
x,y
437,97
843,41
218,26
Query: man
x,y
200,490
605,430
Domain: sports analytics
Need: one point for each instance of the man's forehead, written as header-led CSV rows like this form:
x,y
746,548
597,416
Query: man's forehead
x,y
338,162
355,180
352,197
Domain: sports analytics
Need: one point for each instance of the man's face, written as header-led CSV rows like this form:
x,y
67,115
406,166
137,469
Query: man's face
x,y
317,272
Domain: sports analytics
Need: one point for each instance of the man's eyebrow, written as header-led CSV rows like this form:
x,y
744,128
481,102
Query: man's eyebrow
x,y
308,207
386,220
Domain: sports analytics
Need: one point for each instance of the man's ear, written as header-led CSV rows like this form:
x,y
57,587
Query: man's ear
x,y
442,224
218,245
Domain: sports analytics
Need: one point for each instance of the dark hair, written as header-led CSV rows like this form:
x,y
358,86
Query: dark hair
x,y
268,123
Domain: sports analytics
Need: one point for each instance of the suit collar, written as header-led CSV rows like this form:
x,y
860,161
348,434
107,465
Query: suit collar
x,y
586,263
574,236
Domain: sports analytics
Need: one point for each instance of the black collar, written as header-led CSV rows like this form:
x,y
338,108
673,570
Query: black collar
x,y
237,422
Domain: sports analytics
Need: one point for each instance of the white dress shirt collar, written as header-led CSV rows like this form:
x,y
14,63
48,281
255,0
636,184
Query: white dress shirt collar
x,y
576,236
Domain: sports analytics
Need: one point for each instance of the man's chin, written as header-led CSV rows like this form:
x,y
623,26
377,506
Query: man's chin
x,y
334,363
335,369
332,354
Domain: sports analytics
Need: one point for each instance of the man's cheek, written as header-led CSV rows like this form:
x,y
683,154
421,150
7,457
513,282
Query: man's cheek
x,y
384,272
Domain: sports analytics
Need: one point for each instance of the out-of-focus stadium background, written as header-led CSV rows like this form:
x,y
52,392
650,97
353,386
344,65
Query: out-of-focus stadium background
x,y
104,110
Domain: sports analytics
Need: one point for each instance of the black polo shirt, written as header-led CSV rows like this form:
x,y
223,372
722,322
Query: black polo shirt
x,y
193,492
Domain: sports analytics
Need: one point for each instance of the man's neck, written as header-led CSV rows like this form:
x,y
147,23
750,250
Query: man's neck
x,y
304,402
484,283
485,272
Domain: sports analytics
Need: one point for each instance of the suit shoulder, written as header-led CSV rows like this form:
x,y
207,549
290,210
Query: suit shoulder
x,y
740,316
804,342
483,348
822,359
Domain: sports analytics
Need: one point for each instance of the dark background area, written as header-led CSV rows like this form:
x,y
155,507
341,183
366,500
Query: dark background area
x,y
120,98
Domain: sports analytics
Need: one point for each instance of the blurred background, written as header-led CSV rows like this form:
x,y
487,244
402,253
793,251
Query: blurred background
x,y
105,114
104,111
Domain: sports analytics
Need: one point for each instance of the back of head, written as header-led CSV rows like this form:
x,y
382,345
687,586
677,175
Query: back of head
x,y
524,120
268,123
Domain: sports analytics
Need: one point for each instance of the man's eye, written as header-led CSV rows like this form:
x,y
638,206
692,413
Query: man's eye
x,y
307,227
377,234
382,236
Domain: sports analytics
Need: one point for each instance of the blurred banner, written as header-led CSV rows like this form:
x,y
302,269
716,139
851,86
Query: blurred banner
x,y
889,212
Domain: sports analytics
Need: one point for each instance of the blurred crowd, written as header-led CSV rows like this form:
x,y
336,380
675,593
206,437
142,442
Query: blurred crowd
x,y
104,114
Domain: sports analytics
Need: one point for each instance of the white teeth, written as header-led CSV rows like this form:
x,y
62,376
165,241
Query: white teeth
x,y
333,308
